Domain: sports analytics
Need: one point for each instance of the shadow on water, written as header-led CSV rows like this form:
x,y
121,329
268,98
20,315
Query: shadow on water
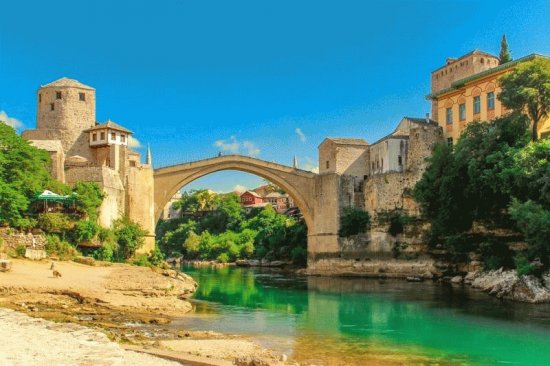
x,y
350,320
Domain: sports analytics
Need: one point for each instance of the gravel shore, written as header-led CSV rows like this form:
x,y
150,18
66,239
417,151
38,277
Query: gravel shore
x,y
30,341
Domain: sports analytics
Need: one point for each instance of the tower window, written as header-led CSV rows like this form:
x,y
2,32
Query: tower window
x,y
400,160
132,163
94,137
327,164
39,98
102,136
113,136
477,104
491,100
57,95
52,106
82,97
122,138
462,112
449,115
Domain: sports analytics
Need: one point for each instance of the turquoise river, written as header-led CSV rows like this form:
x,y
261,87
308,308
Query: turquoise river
x,y
357,321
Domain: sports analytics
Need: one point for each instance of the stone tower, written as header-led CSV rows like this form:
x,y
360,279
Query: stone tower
x,y
65,109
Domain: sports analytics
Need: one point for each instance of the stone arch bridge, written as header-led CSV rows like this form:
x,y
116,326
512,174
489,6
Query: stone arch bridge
x,y
315,195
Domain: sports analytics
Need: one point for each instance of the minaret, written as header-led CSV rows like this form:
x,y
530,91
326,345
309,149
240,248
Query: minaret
x,y
149,159
295,162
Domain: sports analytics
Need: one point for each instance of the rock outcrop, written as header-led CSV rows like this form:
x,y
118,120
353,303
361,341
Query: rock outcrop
x,y
507,285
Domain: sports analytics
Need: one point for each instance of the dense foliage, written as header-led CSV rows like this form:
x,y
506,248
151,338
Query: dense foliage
x,y
215,226
498,175
353,221
23,174
527,89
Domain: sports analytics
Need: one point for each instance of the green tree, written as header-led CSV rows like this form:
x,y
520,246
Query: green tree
x,y
130,237
198,201
23,174
527,89
504,55
534,222
89,197
469,183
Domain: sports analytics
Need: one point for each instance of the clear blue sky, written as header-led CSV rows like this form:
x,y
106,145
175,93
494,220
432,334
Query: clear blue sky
x,y
185,74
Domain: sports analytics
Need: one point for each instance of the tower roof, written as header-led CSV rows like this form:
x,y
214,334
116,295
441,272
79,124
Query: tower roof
x,y
66,82
111,125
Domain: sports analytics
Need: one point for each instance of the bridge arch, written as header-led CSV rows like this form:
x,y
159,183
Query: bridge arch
x,y
299,184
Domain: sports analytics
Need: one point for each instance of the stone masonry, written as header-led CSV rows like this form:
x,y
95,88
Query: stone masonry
x,y
83,149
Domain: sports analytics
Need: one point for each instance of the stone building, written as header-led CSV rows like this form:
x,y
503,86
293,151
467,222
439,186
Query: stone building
x,y
466,89
83,149
379,176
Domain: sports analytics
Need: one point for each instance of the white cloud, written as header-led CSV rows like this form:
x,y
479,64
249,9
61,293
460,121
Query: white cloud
x,y
234,146
10,121
133,142
300,134
231,146
240,188
251,148
310,165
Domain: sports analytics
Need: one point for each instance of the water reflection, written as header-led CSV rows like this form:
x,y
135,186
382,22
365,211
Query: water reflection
x,y
352,320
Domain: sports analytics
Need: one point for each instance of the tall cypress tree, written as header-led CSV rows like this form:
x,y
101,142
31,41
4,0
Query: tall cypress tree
x,y
504,55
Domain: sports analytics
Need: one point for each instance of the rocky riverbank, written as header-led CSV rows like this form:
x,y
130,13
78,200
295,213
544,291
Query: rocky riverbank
x,y
509,286
131,305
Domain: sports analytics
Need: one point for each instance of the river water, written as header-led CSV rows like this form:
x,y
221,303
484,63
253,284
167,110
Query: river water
x,y
357,321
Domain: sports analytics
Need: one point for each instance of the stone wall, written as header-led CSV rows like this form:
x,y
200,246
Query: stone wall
x,y
379,254
109,180
390,191
12,239
140,202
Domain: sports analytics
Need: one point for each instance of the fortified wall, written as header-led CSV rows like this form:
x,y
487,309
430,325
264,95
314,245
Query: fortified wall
x,y
83,149
377,178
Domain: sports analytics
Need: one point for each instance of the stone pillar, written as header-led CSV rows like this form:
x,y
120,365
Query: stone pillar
x,y
140,202
323,236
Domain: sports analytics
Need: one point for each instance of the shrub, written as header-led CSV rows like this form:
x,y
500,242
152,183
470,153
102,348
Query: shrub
x,y
85,231
398,220
56,223
223,258
156,257
496,254
353,221
60,248
130,237
89,197
20,250
534,222
523,266
141,260
107,252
